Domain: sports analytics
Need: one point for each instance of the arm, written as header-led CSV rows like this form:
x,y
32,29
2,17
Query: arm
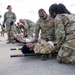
x,y
53,31
60,31
4,21
14,17
37,29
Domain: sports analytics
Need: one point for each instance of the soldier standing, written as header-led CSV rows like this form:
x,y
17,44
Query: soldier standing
x,y
9,19
65,32
45,23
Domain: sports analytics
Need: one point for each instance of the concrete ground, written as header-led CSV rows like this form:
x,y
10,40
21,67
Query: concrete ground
x,y
29,65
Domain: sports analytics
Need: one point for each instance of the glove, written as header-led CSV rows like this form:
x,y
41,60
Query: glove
x,y
3,25
11,23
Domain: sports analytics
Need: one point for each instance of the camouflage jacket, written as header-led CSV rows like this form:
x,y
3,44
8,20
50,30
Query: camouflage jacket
x,y
46,27
65,29
44,47
28,23
8,17
29,26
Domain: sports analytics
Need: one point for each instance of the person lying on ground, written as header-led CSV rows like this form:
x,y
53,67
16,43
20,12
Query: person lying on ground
x,y
43,47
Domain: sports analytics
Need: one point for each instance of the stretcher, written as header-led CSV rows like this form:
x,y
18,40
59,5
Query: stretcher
x,y
43,56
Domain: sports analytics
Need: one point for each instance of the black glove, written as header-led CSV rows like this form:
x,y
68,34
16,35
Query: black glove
x,y
3,25
11,23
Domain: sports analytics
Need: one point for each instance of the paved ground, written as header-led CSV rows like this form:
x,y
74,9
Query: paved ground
x,y
29,65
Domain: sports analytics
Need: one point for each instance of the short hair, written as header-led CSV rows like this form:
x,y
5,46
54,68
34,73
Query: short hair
x,y
8,6
41,10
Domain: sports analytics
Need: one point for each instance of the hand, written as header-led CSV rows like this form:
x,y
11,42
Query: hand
x,y
11,23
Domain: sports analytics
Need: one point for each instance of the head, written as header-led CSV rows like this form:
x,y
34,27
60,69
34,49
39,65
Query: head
x,y
42,14
57,9
62,9
21,20
9,8
53,10
30,45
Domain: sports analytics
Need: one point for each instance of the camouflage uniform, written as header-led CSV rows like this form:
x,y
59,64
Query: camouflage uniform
x,y
65,33
46,27
15,29
43,48
3,30
18,29
29,27
8,17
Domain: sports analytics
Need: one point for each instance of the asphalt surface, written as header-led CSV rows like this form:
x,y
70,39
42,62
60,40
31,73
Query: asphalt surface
x,y
29,65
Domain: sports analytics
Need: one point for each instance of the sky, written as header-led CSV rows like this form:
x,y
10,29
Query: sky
x,y
28,9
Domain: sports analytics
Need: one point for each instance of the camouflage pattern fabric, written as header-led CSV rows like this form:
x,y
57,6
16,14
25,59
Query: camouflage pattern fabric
x,y
43,48
15,29
65,28
8,17
29,26
18,29
2,30
46,27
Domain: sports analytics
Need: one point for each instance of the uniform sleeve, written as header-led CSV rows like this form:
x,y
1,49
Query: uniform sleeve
x,y
14,17
59,28
53,30
59,31
37,29
4,21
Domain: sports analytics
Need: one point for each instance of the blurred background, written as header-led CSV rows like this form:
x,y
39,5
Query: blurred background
x,y
28,9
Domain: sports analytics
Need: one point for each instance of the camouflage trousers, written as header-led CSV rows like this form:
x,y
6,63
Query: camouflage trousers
x,y
10,32
2,33
66,53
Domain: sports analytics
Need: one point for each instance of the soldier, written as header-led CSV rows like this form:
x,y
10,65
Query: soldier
x,y
28,27
43,47
65,32
45,23
2,30
9,19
